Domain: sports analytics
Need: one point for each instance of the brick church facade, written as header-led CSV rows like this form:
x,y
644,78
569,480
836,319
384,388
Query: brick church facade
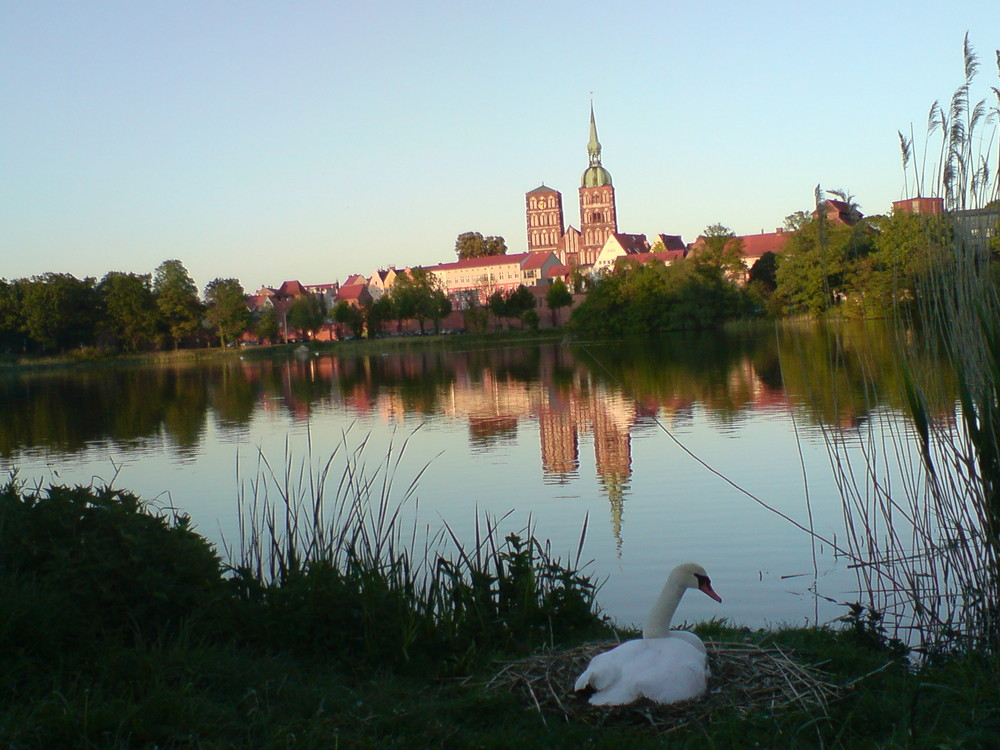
x,y
598,213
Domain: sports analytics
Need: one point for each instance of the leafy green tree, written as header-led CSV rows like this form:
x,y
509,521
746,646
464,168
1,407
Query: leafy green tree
x,y
908,248
347,314
530,319
497,305
764,271
417,295
520,301
177,299
439,309
129,308
12,333
307,313
226,309
557,297
265,326
378,313
722,249
60,311
474,245
649,298
816,265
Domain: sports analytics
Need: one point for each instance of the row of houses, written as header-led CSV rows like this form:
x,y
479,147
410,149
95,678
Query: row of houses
x,y
470,282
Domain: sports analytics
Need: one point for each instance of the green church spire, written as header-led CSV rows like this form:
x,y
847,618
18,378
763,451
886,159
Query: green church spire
x,y
594,147
595,175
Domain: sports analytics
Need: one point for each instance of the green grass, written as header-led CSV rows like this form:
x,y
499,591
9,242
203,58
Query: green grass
x,y
184,693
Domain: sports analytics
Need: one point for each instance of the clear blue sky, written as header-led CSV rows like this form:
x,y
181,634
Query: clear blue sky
x,y
310,140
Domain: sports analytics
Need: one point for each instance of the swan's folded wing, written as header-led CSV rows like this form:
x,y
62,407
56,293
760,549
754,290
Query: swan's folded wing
x,y
611,674
674,672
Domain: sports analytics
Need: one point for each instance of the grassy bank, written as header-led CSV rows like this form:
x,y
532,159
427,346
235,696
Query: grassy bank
x,y
357,347
120,627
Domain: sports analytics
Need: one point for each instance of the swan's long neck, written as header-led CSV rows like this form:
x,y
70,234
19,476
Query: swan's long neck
x,y
658,622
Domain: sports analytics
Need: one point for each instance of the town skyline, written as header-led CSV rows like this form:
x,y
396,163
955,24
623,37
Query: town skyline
x,y
268,145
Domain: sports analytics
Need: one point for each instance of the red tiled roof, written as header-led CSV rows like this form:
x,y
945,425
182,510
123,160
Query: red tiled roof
x,y
489,260
535,260
559,271
351,291
291,289
755,245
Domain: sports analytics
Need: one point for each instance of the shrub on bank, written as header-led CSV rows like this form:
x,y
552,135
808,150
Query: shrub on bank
x,y
90,565
98,563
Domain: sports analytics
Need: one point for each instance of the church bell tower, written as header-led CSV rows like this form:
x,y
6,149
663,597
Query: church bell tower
x,y
598,216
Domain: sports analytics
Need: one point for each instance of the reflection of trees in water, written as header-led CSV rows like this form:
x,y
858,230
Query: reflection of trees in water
x,y
838,375
67,410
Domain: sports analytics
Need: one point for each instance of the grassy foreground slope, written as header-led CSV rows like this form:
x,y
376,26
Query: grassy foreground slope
x,y
120,627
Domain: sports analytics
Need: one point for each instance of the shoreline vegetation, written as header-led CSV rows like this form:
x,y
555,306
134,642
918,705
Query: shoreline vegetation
x,y
95,358
332,623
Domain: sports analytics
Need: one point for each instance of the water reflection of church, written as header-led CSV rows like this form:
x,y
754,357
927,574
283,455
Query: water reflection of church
x,y
494,392
610,417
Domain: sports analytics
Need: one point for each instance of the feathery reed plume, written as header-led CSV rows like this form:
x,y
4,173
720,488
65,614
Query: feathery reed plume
x,y
938,529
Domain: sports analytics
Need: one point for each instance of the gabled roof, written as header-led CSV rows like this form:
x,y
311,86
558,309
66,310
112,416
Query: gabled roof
x,y
671,242
842,213
536,260
542,189
632,243
291,289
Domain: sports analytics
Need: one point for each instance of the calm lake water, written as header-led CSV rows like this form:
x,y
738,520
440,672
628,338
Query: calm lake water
x,y
687,448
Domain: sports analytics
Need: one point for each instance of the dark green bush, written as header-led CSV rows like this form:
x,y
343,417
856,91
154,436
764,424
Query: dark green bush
x,y
89,561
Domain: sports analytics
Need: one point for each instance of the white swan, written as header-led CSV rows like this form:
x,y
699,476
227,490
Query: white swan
x,y
664,665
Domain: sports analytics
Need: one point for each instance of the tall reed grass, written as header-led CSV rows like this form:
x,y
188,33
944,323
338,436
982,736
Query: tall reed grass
x,y
923,507
332,558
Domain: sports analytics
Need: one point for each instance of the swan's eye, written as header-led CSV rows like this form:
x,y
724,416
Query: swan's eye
x,y
703,580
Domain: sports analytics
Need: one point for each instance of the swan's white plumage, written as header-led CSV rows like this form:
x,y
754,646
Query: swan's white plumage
x,y
665,666
665,670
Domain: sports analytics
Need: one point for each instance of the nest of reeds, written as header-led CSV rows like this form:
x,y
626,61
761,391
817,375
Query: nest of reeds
x,y
745,678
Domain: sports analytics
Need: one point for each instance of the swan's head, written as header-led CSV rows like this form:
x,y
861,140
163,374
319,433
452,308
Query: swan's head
x,y
693,576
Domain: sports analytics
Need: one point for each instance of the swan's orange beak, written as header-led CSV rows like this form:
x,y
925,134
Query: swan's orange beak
x,y
706,586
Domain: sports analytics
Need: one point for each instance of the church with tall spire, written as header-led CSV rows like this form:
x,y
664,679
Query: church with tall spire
x,y
598,212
